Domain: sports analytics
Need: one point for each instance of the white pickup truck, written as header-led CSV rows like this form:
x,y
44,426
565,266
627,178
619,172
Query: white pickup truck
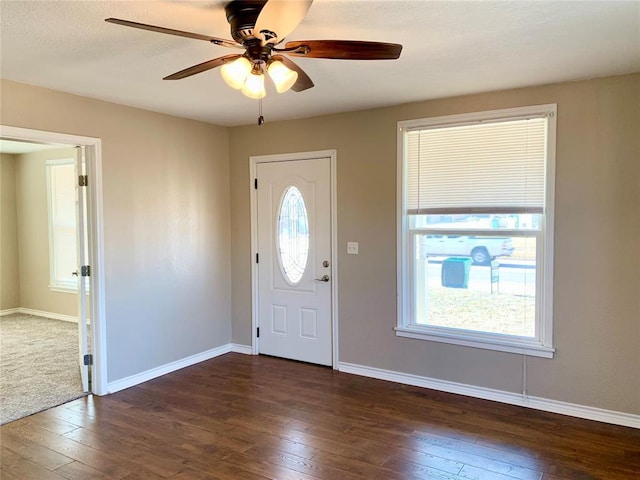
x,y
481,249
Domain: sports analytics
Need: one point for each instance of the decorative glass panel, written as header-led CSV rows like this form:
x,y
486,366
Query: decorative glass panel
x,y
293,235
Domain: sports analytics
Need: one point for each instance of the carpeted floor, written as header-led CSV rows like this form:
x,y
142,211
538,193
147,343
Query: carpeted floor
x,y
38,365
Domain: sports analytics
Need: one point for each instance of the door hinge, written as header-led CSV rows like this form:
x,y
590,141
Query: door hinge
x,y
85,270
255,183
83,181
257,258
258,332
88,359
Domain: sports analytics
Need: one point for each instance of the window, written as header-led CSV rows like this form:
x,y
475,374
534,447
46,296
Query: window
x,y
475,221
293,235
61,197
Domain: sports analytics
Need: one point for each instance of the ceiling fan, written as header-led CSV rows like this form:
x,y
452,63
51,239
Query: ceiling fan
x,y
258,27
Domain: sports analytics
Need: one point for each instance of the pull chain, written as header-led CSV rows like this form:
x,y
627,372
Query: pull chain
x,y
260,118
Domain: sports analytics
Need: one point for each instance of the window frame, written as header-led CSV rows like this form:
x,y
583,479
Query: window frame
x,y
542,344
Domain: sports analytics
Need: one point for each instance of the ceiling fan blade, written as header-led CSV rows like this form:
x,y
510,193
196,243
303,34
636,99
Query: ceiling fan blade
x,y
303,82
343,49
171,31
202,67
280,17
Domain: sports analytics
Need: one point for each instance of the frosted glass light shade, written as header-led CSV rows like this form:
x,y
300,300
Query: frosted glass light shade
x,y
282,77
235,73
254,86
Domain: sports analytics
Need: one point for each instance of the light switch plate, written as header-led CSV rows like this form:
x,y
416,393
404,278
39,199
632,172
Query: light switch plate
x,y
352,248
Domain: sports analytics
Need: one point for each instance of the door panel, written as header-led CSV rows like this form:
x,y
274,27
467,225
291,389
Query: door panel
x,y
81,203
294,245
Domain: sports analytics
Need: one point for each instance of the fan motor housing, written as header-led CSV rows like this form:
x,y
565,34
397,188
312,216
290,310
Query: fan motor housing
x,y
242,16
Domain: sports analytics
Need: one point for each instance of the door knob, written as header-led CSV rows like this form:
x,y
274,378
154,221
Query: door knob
x,y
324,278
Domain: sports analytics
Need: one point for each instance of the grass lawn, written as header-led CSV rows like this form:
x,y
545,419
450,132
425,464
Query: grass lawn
x,y
473,310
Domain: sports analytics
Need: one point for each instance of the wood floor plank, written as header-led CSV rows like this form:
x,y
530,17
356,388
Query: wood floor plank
x,y
419,471
190,475
328,441
161,464
499,467
16,465
103,461
476,473
193,474
80,471
412,460
45,422
143,475
261,465
240,417
370,471
32,451
297,467
426,440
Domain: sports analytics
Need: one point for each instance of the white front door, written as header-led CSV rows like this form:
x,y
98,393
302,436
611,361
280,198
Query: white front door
x,y
294,271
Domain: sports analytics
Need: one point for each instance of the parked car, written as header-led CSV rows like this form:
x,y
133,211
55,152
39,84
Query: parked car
x,y
481,249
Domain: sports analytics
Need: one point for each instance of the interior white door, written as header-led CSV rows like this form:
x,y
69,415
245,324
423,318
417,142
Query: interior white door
x,y
82,273
294,259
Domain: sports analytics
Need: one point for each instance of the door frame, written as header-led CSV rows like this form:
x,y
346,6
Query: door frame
x,y
288,157
93,165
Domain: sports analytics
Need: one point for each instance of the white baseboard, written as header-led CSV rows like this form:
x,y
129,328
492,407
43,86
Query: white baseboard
x,y
554,406
40,313
142,377
237,348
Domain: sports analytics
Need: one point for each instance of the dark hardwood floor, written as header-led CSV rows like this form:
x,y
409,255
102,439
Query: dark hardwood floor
x,y
255,418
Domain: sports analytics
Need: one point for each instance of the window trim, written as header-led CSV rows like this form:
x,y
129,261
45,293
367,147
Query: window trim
x,y
542,346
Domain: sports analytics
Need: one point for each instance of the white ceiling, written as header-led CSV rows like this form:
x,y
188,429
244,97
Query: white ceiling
x,y
450,48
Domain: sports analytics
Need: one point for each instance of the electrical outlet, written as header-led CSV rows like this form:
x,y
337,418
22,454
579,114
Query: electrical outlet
x,y
352,248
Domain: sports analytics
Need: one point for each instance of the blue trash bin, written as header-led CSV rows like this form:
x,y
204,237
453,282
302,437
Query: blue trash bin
x,y
455,272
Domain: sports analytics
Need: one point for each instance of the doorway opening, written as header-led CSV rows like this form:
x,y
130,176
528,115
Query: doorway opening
x,y
52,285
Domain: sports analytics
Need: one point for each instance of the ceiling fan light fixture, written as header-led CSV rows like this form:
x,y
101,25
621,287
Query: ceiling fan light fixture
x,y
254,85
235,73
283,77
258,27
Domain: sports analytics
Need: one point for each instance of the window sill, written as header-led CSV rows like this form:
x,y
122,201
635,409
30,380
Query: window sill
x,y
469,339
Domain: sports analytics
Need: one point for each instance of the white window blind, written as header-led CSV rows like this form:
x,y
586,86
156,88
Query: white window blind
x,y
494,167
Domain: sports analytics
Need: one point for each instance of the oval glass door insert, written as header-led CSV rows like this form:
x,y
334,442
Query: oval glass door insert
x,y
293,235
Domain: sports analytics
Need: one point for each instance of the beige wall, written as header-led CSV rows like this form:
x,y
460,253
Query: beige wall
x,y
166,223
597,239
33,234
9,273
176,202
